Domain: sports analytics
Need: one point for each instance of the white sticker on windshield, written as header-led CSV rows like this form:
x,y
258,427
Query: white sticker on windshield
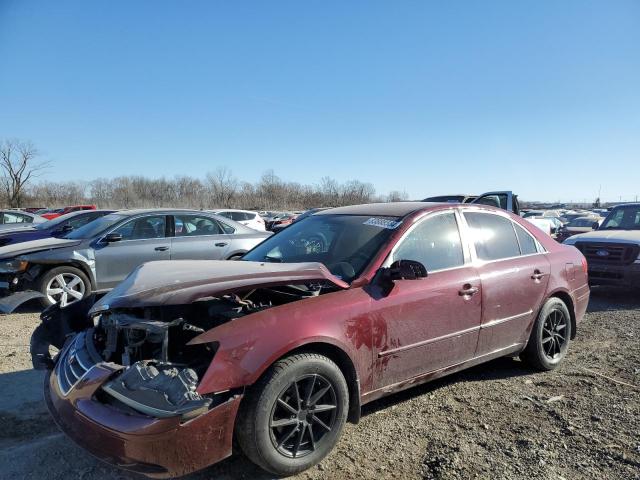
x,y
382,223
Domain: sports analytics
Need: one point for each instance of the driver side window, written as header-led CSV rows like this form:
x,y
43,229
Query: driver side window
x,y
435,243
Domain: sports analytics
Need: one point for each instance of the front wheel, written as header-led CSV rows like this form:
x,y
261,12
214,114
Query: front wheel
x,y
550,336
293,417
63,285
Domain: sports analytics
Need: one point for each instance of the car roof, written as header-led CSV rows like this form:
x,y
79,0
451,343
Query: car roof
x,y
166,211
391,209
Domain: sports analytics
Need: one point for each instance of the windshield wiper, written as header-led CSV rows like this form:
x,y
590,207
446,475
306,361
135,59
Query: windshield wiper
x,y
267,258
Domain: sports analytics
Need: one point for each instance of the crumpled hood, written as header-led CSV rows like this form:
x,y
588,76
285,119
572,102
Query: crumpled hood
x,y
175,282
33,246
622,236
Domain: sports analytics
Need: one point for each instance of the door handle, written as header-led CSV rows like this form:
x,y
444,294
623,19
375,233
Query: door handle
x,y
468,290
161,249
221,244
537,275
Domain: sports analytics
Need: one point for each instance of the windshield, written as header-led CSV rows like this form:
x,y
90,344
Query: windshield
x,y
95,227
583,222
623,218
345,244
52,224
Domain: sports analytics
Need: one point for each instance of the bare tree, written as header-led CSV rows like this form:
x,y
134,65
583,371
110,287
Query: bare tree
x,y
18,164
223,187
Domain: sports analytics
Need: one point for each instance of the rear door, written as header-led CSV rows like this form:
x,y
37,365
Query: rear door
x,y
144,239
199,237
514,272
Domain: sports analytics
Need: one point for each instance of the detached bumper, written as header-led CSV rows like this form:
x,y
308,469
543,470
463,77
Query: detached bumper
x,y
618,275
155,447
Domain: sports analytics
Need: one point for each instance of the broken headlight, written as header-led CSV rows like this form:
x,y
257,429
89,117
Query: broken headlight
x,y
159,390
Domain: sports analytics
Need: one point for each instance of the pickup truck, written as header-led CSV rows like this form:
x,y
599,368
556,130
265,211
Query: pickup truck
x,y
613,249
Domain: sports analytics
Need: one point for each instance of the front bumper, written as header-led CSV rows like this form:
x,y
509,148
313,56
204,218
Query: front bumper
x,y
156,447
618,275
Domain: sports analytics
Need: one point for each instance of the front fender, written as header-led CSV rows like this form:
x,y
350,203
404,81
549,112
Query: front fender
x,y
249,345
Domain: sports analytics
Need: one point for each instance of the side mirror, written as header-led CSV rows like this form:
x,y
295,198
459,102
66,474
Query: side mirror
x,y
113,237
407,270
399,270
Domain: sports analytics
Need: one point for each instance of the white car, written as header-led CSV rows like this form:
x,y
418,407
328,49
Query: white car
x,y
245,217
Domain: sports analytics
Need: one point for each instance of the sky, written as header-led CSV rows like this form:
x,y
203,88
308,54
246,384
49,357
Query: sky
x,y
427,97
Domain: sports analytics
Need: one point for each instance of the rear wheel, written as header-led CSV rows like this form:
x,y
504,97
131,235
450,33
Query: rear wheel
x,y
63,285
550,336
293,417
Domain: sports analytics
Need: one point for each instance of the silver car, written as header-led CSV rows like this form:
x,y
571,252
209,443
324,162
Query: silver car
x,y
97,256
14,219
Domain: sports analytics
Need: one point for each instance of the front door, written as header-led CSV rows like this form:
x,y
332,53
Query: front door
x,y
425,325
143,240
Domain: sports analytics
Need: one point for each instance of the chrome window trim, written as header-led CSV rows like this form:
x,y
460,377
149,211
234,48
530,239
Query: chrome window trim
x,y
423,218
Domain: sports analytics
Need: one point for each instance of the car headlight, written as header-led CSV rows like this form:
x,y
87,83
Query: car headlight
x,y
637,259
13,266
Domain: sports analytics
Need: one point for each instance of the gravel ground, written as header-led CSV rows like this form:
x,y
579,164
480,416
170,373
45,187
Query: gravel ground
x,y
497,420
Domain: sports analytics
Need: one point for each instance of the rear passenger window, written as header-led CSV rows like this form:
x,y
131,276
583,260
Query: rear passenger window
x,y
527,243
195,226
493,236
435,243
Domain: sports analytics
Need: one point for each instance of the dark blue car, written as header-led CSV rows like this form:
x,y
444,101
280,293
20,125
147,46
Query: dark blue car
x,y
57,227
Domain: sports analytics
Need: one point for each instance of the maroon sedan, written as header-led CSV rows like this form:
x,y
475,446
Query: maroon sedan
x,y
278,351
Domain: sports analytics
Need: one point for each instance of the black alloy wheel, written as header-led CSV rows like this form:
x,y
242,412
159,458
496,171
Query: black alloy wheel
x,y
303,414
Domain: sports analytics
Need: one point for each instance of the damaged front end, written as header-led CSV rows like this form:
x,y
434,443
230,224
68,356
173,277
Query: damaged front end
x,y
127,383
157,368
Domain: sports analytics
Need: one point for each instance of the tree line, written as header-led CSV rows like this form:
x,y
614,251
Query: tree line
x,y
23,187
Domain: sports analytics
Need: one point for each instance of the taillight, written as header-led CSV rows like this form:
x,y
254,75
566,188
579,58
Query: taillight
x,y
585,267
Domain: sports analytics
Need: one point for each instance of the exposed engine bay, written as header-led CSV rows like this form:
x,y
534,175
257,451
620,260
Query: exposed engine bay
x,y
161,371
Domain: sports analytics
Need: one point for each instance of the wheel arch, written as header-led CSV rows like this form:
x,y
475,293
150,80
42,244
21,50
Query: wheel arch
x,y
568,301
346,366
45,267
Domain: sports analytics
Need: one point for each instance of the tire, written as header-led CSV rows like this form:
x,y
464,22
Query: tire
x,y
256,430
550,336
71,276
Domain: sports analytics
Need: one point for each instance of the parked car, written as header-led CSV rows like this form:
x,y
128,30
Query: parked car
x,y
543,224
245,217
578,225
280,221
451,199
57,227
613,250
279,350
10,219
98,256
63,211
505,200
